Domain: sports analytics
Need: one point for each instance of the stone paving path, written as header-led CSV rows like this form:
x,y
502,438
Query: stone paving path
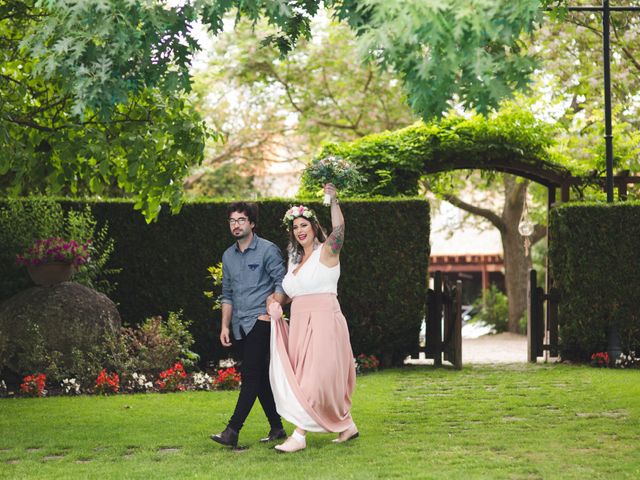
x,y
498,348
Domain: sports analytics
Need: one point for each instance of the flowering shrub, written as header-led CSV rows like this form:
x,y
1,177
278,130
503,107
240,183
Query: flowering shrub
x,y
171,380
107,383
70,386
628,361
55,250
366,363
138,383
201,381
227,379
600,359
33,385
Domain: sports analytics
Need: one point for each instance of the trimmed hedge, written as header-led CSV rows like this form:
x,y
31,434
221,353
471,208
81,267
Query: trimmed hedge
x,y
593,257
384,267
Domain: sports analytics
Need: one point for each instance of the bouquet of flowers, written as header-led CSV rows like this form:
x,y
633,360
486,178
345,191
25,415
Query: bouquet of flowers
x,y
50,250
332,169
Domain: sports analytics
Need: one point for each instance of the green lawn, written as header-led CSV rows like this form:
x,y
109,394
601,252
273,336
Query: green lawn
x,y
524,421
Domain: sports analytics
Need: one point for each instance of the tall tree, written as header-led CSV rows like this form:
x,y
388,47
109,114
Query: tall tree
x,y
145,143
273,109
102,55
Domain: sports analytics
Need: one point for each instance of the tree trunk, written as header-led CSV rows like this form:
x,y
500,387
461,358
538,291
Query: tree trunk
x,y
516,261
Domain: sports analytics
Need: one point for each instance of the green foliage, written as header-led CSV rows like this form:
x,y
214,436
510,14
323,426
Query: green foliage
x,y
224,181
152,347
592,260
22,222
493,309
165,267
270,108
470,50
55,134
215,274
394,162
104,50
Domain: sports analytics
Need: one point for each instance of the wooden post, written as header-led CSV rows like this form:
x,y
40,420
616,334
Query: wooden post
x,y
553,299
437,320
565,190
457,328
533,326
622,190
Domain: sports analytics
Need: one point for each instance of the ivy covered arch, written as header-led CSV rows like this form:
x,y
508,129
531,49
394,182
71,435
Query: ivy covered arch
x,y
511,141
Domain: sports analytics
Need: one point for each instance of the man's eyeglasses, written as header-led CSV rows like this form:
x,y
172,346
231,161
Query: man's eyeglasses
x,y
239,221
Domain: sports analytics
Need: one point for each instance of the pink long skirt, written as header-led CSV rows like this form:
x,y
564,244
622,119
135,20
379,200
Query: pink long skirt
x,y
312,371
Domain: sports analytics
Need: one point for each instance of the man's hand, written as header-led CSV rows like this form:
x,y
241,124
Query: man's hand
x,y
225,338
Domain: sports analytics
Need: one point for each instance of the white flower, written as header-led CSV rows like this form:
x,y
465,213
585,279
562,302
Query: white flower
x,y
71,386
227,363
202,381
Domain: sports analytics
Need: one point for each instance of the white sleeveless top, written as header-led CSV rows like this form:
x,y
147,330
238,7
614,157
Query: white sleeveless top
x,y
313,277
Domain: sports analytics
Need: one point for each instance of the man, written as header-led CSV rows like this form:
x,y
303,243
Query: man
x,y
252,269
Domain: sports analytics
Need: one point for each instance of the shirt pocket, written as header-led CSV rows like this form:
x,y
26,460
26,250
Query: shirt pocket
x,y
253,273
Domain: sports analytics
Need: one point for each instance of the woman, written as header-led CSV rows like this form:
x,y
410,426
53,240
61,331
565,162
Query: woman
x,y
312,372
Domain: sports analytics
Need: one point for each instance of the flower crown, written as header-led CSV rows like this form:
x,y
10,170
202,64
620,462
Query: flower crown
x,y
295,212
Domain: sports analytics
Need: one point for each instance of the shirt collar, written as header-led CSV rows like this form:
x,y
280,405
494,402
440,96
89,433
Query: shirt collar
x,y
252,245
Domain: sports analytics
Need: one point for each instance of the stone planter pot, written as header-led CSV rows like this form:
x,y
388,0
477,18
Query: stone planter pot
x,y
51,273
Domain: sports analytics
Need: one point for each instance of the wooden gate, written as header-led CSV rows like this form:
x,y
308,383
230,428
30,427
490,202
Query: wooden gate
x,y
443,338
539,331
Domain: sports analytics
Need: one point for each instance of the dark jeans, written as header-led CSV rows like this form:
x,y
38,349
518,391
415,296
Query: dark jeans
x,y
253,351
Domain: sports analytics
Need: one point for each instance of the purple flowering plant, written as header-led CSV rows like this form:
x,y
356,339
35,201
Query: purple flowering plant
x,y
55,250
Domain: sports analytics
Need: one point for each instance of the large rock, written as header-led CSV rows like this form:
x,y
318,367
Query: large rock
x,y
62,317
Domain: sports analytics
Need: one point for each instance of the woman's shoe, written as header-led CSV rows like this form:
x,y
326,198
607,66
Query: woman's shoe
x,y
349,434
291,445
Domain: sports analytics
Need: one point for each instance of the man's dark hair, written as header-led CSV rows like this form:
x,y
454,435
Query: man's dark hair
x,y
249,209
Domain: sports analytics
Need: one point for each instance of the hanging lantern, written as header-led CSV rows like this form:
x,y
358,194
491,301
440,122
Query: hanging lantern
x,y
525,227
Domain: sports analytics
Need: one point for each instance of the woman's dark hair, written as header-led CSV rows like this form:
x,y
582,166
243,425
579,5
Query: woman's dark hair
x,y
249,209
296,252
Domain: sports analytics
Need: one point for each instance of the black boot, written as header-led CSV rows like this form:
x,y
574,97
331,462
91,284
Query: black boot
x,y
228,437
275,434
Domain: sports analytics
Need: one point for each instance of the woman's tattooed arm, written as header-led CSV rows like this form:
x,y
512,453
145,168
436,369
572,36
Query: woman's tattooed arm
x,y
336,239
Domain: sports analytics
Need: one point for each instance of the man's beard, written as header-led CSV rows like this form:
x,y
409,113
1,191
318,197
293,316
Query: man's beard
x,y
242,235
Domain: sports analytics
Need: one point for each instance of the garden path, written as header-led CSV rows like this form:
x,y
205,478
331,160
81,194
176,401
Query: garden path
x,y
497,348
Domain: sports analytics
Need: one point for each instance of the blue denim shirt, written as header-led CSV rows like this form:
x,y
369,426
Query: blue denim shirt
x,y
248,278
